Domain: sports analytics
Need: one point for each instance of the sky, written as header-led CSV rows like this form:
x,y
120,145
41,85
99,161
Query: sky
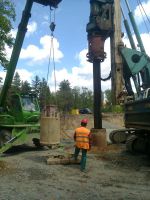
x,y
70,43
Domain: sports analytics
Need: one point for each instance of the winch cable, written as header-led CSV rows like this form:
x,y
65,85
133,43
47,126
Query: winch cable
x,y
148,19
52,52
140,8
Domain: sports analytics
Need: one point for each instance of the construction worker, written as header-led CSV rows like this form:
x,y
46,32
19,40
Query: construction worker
x,y
82,138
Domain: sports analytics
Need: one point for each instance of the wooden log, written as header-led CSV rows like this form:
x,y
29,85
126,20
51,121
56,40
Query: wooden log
x,y
62,160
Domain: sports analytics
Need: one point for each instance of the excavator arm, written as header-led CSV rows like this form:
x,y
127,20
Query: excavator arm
x,y
18,120
22,29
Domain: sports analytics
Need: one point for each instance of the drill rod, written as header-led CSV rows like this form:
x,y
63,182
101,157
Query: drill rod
x,y
97,94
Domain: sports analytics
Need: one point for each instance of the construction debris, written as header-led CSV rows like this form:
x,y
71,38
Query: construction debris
x,y
62,160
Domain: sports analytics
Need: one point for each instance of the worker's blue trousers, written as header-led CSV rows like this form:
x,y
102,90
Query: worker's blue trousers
x,y
83,158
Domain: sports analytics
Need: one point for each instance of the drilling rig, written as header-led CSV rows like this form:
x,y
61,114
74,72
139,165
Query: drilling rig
x,y
127,64
136,67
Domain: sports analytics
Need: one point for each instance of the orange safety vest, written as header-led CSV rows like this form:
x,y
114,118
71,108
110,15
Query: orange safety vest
x,y
82,137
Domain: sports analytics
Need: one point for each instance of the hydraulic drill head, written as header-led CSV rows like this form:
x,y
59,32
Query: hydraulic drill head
x,y
96,48
99,28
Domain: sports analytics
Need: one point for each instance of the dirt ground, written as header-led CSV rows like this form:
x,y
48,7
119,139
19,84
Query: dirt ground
x,y
111,174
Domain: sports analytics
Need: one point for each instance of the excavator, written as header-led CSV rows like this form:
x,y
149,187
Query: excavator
x,y
22,113
16,119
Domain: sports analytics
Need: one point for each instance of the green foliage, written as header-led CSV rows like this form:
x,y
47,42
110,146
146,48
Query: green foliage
x,y
108,96
108,107
76,97
7,15
117,109
15,87
25,87
64,96
86,98
16,83
45,97
113,109
36,86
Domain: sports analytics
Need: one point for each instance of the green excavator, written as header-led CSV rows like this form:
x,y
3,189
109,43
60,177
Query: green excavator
x,y
22,113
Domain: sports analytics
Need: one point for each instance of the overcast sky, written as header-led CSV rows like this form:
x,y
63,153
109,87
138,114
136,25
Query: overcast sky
x,y
70,43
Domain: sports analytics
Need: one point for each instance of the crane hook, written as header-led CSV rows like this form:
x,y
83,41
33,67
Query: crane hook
x,y
52,26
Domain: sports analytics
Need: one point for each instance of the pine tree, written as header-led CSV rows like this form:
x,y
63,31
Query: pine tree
x,y
44,95
7,15
64,96
86,98
36,86
76,97
16,84
25,87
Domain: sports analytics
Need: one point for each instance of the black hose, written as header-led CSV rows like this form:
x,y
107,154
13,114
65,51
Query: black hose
x,y
106,79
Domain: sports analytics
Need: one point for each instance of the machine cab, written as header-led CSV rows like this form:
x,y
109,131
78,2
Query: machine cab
x,y
29,103
25,108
